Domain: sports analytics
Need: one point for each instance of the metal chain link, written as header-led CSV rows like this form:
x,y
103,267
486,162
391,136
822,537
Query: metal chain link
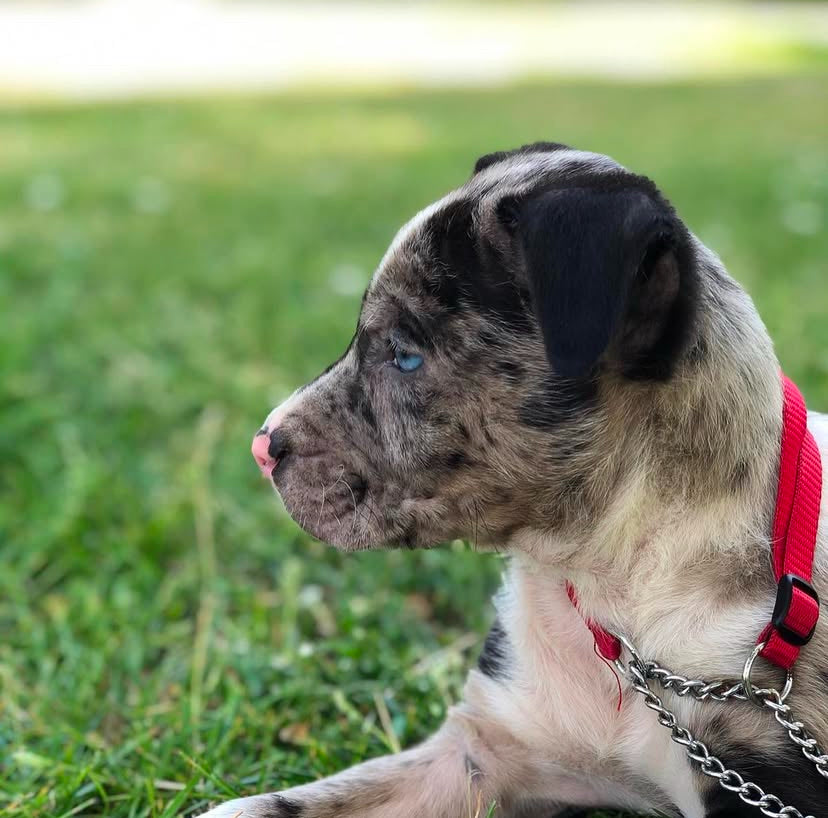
x,y
723,691
720,691
639,672
796,730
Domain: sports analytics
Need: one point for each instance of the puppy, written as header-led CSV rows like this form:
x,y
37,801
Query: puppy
x,y
547,361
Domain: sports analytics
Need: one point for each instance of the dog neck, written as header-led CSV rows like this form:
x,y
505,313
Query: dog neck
x,y
691,511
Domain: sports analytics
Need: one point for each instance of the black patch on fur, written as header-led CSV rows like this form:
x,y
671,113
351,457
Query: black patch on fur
x,y
440,419
454,460
409,539
453,247
787,774
358,405
450,461
358,486
569,448
740,474
470,274
494,658
509,369
574,812
421,329
698,352
559,401
281,807
508,213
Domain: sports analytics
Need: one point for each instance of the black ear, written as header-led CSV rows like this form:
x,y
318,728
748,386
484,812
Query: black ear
x,y
602,265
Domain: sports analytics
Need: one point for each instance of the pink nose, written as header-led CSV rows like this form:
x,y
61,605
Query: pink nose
x,y
261,444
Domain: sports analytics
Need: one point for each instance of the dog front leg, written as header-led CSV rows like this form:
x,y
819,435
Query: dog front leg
x,y
461,772
434,779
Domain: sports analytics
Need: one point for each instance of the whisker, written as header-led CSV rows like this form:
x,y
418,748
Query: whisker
x,y
353,498
321,506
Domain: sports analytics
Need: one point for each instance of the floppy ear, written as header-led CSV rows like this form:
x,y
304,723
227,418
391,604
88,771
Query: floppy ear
x,y
601,264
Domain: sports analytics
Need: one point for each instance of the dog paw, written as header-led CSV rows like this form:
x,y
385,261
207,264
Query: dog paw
x,y
257,806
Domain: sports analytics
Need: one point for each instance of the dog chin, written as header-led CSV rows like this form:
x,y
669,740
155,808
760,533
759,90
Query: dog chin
x,y
340,535
343,539
350,529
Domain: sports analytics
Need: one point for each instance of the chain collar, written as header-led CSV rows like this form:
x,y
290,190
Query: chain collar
x,y
641,672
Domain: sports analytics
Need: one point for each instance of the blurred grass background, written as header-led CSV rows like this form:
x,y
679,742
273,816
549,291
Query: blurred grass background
x,y
169,272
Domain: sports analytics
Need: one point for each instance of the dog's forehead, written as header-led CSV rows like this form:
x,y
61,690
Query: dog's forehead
x,y
513,174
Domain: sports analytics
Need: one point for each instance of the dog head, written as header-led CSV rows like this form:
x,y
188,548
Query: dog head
x,y
505,320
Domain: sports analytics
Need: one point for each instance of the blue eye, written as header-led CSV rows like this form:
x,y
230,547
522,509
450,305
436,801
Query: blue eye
x,y
407,361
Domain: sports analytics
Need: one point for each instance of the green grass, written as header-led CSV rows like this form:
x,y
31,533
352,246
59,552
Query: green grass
x,y
168,273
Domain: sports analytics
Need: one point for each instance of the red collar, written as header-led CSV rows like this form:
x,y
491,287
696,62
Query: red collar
x,y
795,525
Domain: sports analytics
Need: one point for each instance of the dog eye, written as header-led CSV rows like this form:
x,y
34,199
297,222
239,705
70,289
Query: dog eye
x,y
407,361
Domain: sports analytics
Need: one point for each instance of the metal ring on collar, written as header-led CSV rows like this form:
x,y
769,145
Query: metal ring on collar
x,y
631,650
753,694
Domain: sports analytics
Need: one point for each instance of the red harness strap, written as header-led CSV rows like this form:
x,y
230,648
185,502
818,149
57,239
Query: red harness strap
x,y
794,541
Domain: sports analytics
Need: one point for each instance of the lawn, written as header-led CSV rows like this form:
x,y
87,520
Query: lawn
x,y
168,273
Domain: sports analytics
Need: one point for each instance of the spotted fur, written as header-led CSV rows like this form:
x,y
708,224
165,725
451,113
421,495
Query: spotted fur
x,y
599,398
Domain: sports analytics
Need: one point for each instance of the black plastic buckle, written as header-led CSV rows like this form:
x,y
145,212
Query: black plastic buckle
x,y
784,597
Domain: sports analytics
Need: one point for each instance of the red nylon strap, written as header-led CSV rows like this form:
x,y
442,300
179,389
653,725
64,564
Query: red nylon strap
x,y
606,644
795,526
